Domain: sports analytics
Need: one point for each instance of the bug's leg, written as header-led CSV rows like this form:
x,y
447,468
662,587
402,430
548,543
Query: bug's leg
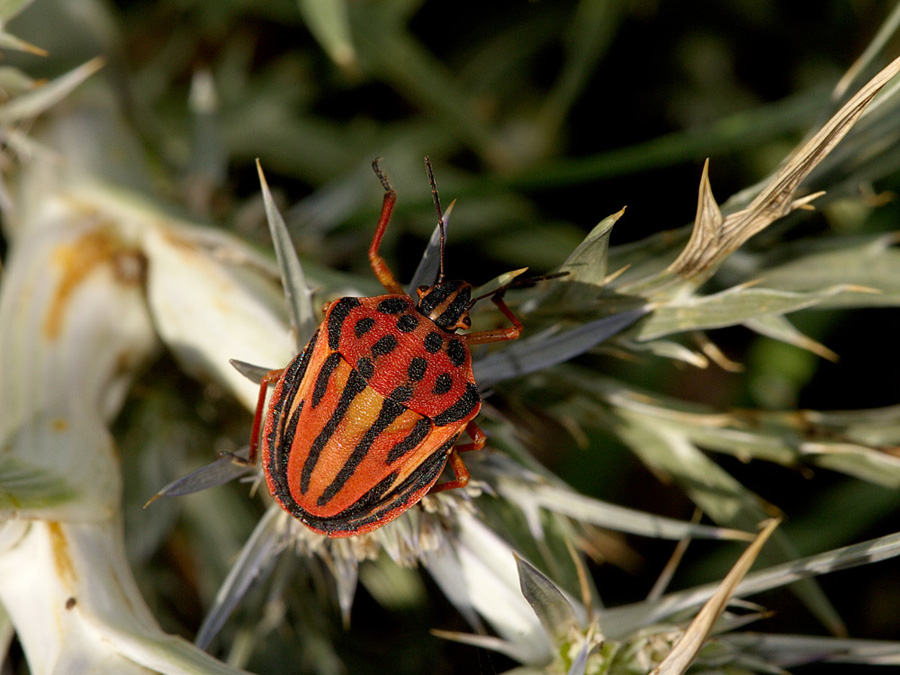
x,y
498,334
379,266
460,472
269,378
478,438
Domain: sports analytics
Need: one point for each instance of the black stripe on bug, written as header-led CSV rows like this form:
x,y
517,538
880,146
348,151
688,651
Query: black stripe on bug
x,y
337,317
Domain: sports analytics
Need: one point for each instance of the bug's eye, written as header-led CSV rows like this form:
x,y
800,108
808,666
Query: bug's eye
x,y
466,322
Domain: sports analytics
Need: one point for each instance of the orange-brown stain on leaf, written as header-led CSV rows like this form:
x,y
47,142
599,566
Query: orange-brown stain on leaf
x,y
59,546
78,260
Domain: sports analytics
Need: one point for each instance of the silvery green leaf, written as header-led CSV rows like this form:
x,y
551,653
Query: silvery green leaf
x,y
33,103
548,602
255,562
733,306
10,8
12,42
490,642
346,577
579,663
789,651
328,21
871,464
872,53
253,373
722,497
874,426
214,474
667,349
14,81
28,487
297,293
587,263
869,262
619,621
611,516
498,282
531,354
208,167
778,327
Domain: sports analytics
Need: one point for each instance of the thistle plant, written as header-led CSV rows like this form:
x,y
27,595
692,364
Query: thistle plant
x,y
146,289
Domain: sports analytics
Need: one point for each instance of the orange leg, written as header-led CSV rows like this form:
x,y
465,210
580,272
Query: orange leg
x,y
379,266
460,472
478,438
498,334
268,379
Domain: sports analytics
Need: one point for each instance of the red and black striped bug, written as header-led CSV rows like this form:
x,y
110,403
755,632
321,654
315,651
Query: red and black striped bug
x,y
362,422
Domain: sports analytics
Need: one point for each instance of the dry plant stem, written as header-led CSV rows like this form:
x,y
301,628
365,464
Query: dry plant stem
x,y
716,236
686,649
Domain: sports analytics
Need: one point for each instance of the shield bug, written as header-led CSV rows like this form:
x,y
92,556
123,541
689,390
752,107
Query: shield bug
x,y
362,422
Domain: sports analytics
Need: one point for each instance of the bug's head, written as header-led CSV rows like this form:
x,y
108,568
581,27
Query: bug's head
x,y
446,303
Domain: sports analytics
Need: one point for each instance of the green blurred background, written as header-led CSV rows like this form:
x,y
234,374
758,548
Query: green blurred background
x,y
541,118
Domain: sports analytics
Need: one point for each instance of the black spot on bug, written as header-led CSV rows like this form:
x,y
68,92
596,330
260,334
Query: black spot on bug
x,y
402,393
417,368
407,323
366,368
363,326
433,342
464,405
392,305
324,376
337,317
442,384
385,345
456,351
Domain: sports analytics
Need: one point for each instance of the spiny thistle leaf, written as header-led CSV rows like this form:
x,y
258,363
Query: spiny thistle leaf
x,y
871,261
329,22
528,355
33,103
588,263
222,471
255,561
788,651
296,292
710,243
688,646
555,612
733,306
618,621
778,327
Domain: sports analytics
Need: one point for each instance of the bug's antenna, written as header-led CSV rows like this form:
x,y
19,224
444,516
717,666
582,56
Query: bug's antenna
x,y
385,183
437,206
